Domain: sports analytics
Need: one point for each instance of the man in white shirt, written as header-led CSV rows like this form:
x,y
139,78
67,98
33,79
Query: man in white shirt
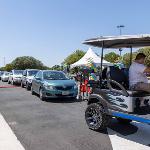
x,y
137,74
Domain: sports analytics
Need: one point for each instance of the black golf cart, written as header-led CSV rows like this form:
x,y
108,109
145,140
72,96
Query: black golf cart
x,y
112,97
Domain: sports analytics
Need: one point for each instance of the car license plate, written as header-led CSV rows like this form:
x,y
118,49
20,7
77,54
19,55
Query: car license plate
x,y
65,93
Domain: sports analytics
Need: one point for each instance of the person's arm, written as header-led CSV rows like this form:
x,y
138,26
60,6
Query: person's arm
x,y
147,70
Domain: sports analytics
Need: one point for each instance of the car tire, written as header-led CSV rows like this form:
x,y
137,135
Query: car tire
x,y
32,91
41,95
12,82
124,121
22,85
28,87
95,117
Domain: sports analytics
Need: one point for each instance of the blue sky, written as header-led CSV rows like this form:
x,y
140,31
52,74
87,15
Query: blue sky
x,y
50,30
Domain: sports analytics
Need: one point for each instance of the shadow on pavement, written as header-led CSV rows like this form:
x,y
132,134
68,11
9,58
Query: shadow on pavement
x,y
136,132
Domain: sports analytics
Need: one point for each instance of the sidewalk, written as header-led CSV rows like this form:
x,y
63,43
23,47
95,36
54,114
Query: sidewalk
x,y
8,140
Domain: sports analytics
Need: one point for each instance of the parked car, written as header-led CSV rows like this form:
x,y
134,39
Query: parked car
x,y
53,84
5,76
27,78
15,77
1,73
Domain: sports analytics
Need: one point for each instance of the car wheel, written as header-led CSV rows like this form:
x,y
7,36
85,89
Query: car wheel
x,y
32,91
12,82
95,117
22,85
28,87
124,121
41,95
8,82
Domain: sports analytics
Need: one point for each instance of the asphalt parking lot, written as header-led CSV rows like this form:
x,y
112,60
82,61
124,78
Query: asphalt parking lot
x,y
50,125
60,125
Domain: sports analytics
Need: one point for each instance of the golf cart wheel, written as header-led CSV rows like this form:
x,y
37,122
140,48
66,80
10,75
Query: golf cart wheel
x,y
28,87
95,117
124,121
41,95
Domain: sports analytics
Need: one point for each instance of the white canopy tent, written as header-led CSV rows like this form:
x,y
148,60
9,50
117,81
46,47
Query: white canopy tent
x,y
90,55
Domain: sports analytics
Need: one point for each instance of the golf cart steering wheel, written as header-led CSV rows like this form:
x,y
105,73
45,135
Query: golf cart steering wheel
x,y
123,91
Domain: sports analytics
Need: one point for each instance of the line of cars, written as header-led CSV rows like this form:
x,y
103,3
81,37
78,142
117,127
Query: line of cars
x,y
45,83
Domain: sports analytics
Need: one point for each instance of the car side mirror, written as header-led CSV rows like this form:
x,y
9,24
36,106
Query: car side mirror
x,y
38,79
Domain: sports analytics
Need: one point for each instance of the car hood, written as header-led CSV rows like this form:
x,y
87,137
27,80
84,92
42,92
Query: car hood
x,y
60,82
17,76
30,77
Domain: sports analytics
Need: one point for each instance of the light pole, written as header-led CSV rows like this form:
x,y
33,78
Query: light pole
x,y
120,32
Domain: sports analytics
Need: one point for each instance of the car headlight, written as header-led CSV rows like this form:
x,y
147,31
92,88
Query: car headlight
x,y
29,80
49,87
75,86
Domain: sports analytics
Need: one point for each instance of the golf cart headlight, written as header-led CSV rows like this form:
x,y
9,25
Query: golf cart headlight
x,y
49,87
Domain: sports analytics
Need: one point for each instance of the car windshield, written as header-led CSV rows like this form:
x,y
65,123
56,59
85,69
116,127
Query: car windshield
x,y
6,73
32,72
50,75
18,72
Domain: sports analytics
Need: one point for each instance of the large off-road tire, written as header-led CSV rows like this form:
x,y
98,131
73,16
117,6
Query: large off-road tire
x,y
41,95
124,121
96,118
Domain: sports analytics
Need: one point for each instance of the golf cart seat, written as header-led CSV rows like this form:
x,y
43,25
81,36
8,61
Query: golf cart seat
x,y
122,77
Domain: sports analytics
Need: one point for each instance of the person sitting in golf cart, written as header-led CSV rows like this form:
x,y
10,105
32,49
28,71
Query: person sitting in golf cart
x,y
137,74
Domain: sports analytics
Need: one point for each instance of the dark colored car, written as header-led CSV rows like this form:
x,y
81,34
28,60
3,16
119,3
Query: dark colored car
x,y
53,84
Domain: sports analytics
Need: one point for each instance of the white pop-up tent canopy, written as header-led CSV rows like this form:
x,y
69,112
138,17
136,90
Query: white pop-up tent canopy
x,y
90,55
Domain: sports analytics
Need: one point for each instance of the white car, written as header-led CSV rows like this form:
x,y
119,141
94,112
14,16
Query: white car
x,y
5,77
15,77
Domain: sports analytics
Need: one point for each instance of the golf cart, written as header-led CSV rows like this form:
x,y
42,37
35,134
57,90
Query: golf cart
x,y
113,97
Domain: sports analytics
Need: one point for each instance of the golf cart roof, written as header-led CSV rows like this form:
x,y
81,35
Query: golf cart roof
x,y
122,41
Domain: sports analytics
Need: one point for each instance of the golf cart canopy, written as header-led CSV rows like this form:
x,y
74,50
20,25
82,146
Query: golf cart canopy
x,y
122,41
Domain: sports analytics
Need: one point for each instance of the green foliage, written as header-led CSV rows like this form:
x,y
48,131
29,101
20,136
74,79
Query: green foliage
x,y
56,67
112,57
146,51
8,67
126,58
27,62
74,57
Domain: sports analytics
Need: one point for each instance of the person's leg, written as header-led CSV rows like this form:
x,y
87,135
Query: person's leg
x,y
143,87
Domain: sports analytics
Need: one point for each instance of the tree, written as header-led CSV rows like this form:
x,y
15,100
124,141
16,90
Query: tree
x,y
56,67
146,51
27,62
74,57
8,67
112,57
126,58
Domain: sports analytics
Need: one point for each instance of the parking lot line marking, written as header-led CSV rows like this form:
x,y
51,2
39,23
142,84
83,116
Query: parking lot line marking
x,y
8,140
139,140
